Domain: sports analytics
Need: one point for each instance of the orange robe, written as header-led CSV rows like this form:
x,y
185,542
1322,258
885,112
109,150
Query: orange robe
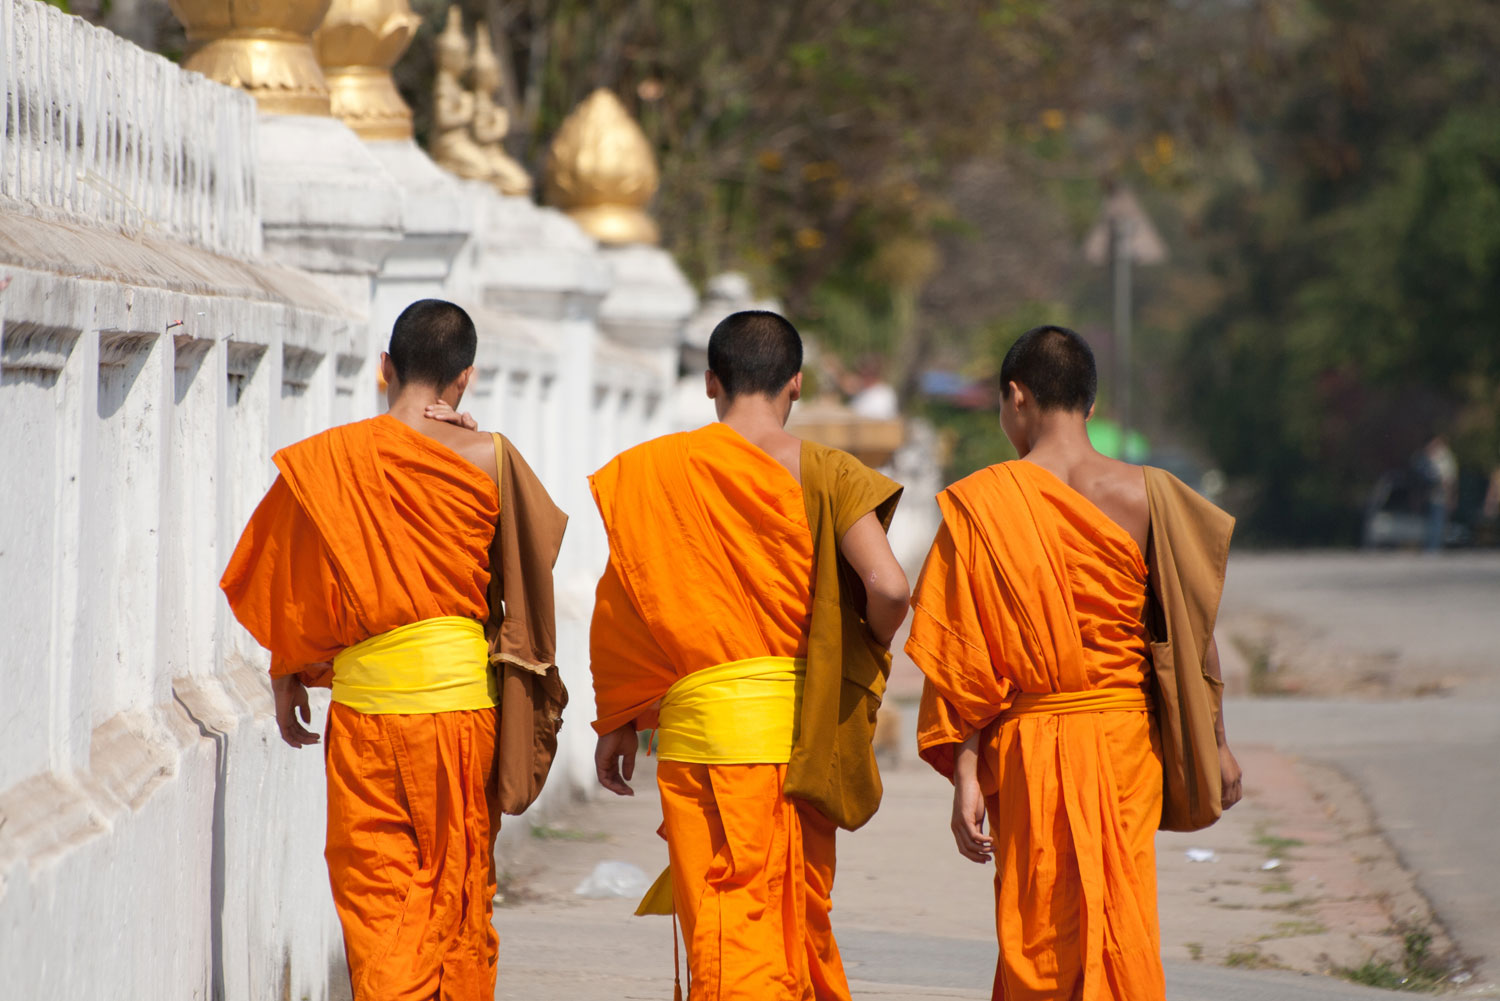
x,y
369,527
711,562
1029,588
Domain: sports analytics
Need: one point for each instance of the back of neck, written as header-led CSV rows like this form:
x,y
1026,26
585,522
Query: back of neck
x,y
410,409
1062,448
757,420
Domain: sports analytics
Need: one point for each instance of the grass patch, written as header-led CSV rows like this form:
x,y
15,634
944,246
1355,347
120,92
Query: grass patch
x,y
546,832
1276,846
1278,885
511,891
1195,949
1372,973
1293,906
1419,968
1294,929
1249,959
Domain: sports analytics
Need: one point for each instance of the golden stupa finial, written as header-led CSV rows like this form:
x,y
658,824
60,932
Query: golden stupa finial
x,y
491,121
357,44
453,146
602,171
264,48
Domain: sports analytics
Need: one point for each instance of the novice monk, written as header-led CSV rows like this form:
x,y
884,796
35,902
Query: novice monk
x,y
1030,624
374,550
732,618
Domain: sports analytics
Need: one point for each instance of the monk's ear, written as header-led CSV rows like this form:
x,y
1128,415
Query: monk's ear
x,y
1090,415
464,378
711,384
796,385
387,369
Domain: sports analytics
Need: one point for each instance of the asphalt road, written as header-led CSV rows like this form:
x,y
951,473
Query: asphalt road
x,y
1429,766
1438,616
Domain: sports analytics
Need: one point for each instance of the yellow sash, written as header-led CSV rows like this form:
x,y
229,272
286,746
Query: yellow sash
x,y
740,713
1098,700
433,666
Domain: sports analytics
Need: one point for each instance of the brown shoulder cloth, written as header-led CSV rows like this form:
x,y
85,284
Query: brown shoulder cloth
x,y
522,630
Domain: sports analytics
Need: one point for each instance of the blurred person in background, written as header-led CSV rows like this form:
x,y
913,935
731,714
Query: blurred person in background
x,y
1437,471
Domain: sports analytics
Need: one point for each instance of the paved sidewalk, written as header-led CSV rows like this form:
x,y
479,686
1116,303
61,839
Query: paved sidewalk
x,y
915,920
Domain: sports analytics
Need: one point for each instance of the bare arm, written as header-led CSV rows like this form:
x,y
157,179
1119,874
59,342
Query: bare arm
x,y
887,593
1229,768
968,803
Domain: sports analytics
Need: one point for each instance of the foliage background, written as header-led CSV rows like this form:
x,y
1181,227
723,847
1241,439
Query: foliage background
x,y
914,180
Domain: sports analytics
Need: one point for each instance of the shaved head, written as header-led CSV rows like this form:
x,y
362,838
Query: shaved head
x,y
1056,365
755,352
432,343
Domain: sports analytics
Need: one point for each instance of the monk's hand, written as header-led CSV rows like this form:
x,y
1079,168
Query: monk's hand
x,y
440,411
968,804
291,700
1229,778
614,759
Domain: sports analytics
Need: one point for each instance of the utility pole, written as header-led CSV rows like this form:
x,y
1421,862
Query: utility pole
x,y
1123,235
1119,252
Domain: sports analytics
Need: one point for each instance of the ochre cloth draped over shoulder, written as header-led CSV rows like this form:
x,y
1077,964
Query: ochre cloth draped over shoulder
x,y
1029,588
711,562
372,526
833,763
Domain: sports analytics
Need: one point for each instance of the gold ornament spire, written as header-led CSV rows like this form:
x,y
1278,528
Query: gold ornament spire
x,y
492,122
264,48
602,171
453,146
357,44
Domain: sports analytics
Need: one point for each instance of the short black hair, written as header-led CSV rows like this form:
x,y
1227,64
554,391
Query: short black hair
x,y
1056,365
432,342
754,351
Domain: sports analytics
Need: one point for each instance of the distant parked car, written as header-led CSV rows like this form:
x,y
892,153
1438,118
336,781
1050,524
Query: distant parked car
x,y
1396,514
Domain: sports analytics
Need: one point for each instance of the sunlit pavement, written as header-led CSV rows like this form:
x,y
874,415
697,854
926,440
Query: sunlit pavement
x,y
913,918
1425,627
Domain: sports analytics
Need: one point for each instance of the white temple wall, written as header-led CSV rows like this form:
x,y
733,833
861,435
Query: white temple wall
x,y
120,850
171,312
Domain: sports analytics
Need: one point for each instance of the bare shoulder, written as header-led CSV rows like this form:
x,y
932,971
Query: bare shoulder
x,y
1119,490
476,446
1128,481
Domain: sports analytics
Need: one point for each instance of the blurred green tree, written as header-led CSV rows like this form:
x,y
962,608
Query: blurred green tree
x,y
1359,267
912,179
815,144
